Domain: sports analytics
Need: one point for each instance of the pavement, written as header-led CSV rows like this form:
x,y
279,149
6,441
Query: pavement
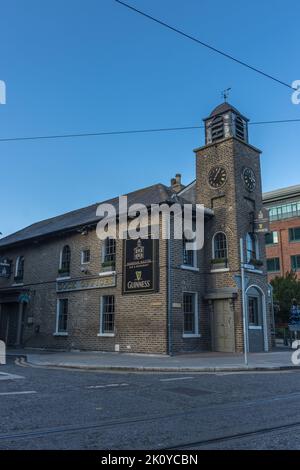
x,y
278,359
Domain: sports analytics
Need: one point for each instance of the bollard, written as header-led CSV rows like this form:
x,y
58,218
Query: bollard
x,y
2,353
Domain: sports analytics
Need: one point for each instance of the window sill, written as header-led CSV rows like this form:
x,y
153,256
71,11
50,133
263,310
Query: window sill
x,y
186,336
17,284
60,334
189,268
220,270
107,273
63,278
254,327
106,335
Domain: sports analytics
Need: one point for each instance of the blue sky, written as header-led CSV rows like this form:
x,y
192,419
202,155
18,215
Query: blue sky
x,y
91,65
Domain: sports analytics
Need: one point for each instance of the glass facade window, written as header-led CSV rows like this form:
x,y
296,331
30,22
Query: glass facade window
x,y
107,321
271,238
273,264
284,211
294,234
295,262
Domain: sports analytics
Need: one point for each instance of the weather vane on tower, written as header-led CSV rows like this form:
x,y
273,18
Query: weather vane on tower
x,y
225,94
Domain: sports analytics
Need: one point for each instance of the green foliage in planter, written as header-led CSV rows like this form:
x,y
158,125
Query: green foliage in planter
x,y
219,261
256,262
108,264
63,271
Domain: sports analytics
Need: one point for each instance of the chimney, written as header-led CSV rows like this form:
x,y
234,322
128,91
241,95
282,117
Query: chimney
x,y
176,183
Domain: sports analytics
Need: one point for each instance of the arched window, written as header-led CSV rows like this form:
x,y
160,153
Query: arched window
x,y
65,260
19,274
217,128
220,246
251,247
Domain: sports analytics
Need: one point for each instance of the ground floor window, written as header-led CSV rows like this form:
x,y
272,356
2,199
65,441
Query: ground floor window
x,y
295,262
273,265
107,316
190,320
62,316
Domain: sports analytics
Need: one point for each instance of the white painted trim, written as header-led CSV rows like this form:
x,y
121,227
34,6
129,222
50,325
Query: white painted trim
x,y
108,335
221,270
186,336
197,316
189,268
66,278
255,327
17,284
107,273
264,313
61,334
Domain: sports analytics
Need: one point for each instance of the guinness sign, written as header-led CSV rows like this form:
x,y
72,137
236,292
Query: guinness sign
x,y
140,266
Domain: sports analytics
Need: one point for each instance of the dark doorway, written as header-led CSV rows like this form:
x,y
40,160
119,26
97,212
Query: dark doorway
x,y
9,323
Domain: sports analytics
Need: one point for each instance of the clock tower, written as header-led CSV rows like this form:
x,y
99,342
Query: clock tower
x,y
228,181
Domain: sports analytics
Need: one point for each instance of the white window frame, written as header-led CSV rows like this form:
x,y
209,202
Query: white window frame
x,y
196,334
190,267
60,333
17,267
82,254
101,334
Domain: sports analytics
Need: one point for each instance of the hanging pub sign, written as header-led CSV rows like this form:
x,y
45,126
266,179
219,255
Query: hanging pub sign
x,y
140,266
5,268
262,222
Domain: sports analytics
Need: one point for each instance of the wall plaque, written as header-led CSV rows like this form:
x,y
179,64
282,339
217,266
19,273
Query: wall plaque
x,y
85,284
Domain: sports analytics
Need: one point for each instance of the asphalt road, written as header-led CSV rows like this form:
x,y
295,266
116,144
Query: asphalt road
x,y
68,409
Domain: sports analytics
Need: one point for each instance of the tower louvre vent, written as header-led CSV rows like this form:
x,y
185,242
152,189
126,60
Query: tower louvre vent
x,y
217,128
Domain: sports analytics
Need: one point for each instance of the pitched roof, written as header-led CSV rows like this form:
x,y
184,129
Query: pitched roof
x,y
155,194
281,194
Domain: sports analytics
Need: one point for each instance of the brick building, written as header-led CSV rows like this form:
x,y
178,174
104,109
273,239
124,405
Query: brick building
x,y
283,241
61,287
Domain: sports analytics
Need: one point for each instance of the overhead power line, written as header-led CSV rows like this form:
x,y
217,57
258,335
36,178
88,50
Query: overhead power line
x,y
127,132
208,46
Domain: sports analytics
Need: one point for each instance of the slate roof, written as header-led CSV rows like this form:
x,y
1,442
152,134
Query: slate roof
x,y
155,194
224,108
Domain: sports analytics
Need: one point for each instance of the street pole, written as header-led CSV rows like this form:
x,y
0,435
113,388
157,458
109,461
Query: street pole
x,y
245,323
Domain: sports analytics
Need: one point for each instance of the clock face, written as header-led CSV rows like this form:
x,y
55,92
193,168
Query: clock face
x,y
217,177
249,179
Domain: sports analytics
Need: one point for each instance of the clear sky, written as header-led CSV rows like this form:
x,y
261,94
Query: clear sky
x,y
91,65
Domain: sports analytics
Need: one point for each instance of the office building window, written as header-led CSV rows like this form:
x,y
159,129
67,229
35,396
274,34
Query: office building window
x,y
295,262
273,264
294,234
271,238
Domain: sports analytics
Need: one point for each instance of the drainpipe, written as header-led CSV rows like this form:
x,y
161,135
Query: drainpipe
x,y
170,349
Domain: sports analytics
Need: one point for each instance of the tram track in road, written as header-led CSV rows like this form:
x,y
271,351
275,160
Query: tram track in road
x,y
232,437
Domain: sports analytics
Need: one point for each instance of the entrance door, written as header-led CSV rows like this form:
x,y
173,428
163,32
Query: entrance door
x,y
223,327
9,323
